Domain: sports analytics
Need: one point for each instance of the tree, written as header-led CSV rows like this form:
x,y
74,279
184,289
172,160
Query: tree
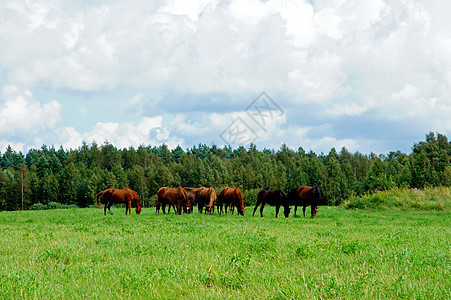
x,y
12,159
48,189
21,189
423,174
84,193
336,186
70,178
5,185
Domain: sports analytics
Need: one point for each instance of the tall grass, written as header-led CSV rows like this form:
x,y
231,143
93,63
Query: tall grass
x,y
82,254
436,198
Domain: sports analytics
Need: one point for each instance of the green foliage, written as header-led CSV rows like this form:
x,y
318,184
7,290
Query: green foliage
x,y
76,176
406,199
38,206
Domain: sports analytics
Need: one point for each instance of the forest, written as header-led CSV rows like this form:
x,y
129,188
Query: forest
x,y
49,177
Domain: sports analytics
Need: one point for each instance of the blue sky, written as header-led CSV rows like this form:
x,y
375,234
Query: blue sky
x,y
369,75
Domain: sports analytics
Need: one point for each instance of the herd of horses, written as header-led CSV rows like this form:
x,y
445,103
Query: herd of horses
x,y
183,199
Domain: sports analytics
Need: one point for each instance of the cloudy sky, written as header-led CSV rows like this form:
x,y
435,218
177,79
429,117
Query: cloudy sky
x,y
370,75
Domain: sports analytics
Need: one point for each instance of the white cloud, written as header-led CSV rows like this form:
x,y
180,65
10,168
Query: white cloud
x,y
147,131
191,9
387,60
351,109
24,119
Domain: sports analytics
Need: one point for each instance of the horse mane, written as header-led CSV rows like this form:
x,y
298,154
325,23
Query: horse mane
x,y
281,193
240,197
314,192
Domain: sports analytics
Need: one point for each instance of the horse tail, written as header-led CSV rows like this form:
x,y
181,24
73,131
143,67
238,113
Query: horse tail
x,y
97,198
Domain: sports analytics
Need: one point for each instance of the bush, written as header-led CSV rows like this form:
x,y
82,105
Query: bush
x,y
54,205
152,201
38,206
415,199
250,197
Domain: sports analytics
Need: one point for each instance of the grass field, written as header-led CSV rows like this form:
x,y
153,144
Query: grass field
x,y
350,254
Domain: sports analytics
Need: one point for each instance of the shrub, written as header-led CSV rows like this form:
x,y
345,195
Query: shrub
x,y
428,199
38,206
250,196
53,205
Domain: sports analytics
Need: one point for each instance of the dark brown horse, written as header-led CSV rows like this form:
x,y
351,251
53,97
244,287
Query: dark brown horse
x,y
175,197
273,198
204,197
231,198
115,196
305,195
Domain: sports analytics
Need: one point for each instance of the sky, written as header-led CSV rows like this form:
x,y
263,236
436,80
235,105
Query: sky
x,y
368,75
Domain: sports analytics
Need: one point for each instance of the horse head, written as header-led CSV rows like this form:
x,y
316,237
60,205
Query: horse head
x,y
286,211
284,201
313,210
316,196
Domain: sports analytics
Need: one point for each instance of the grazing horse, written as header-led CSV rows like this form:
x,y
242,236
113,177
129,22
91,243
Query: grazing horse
x,y
206,197
175,197
231,198
191,193
305,195
203,197
273,198
114,196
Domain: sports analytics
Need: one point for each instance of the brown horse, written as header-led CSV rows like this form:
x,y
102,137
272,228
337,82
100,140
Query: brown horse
x,y
305,195
114,196
175,197
202,196
273,198
231,198
206,197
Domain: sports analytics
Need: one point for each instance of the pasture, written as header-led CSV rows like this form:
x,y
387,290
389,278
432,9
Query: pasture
x,y
352,254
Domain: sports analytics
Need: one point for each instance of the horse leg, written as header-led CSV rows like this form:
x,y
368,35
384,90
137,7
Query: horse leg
x,y
261,209
128,208
109,207
295,209
158,208
164,208
277,210
179,209
258,203
303,209
104,209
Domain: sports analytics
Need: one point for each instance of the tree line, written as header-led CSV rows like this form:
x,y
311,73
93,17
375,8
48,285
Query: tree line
x,y
73,177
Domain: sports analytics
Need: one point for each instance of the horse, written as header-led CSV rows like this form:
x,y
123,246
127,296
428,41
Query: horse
x,y
202,197
114,196
231,197
305,195
175,197
191,193
273,198
206,197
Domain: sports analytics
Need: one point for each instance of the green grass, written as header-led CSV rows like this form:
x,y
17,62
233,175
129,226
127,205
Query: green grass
x,y
435,198
347,254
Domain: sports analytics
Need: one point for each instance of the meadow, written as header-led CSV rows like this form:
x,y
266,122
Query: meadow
x,y
342,253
